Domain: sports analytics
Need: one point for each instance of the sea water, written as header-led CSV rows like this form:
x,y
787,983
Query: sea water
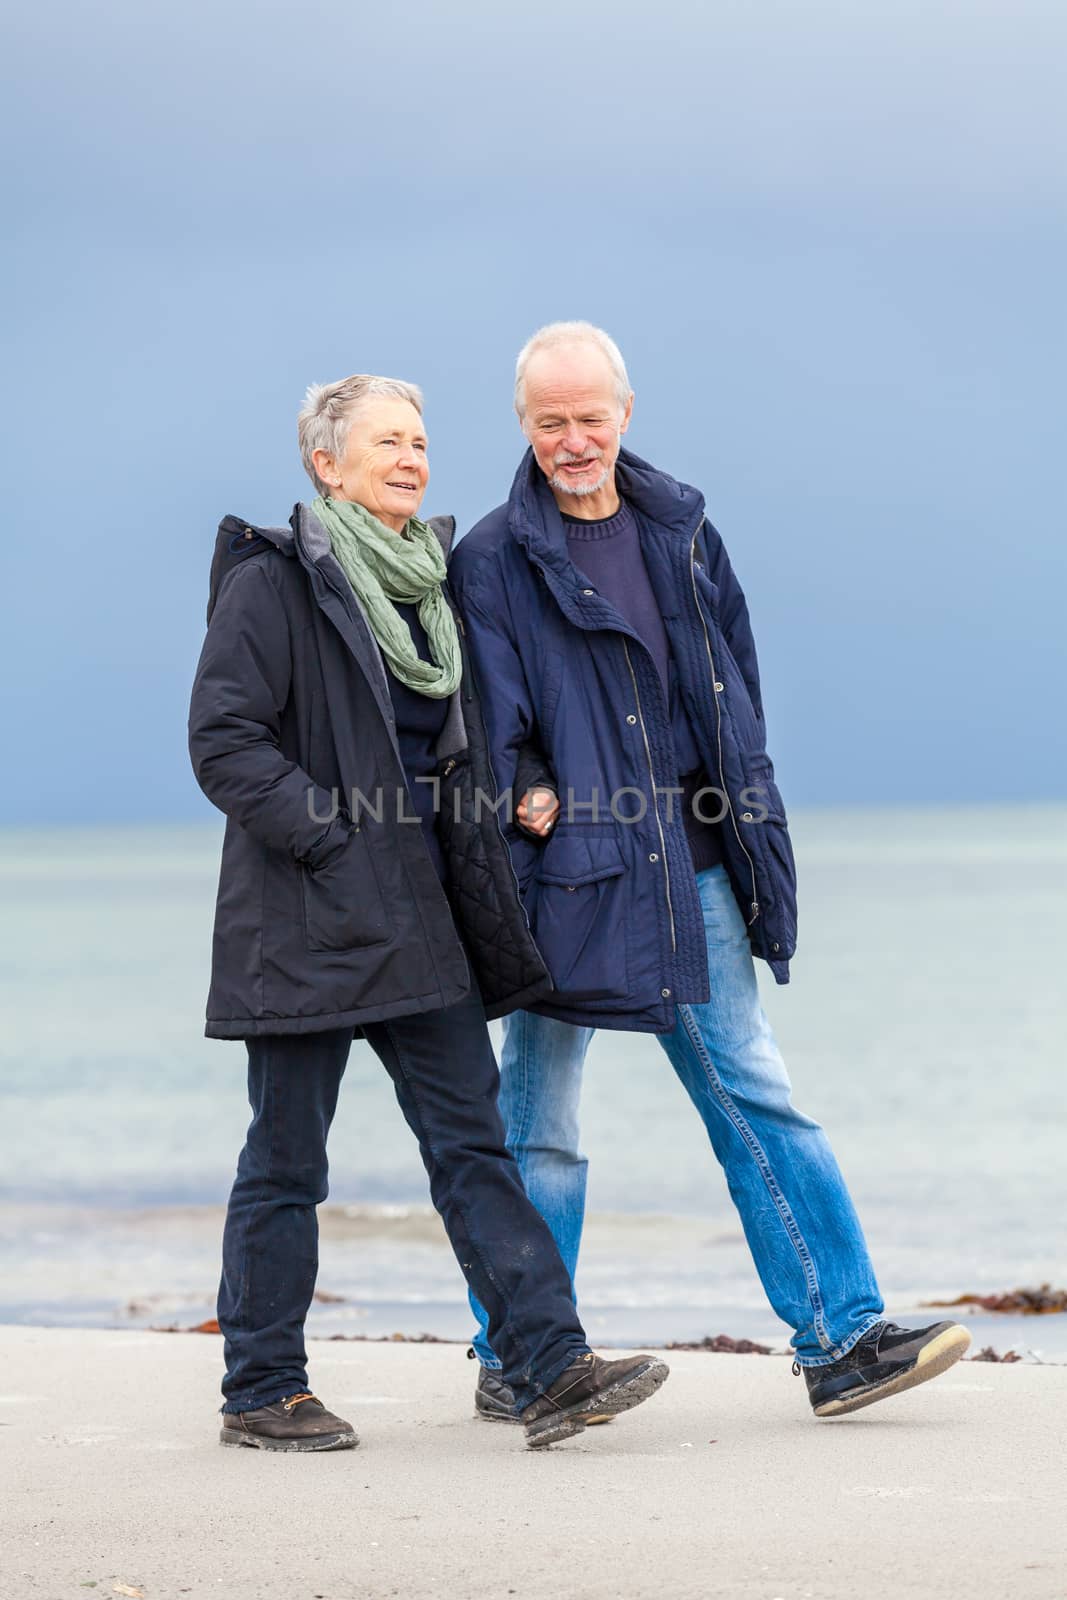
x,y
925,1026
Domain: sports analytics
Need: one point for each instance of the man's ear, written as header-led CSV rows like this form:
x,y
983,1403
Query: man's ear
x,y
326,467
627,414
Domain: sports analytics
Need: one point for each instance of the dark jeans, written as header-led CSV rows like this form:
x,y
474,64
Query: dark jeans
x,y
446,1081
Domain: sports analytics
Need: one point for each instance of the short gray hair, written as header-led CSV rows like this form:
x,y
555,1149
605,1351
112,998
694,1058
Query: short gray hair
x,y
328,411
556,335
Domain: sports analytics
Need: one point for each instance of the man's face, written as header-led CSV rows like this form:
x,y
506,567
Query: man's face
x,y
574,421
384,466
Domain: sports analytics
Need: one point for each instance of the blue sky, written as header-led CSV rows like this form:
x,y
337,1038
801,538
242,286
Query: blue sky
x,y
830,240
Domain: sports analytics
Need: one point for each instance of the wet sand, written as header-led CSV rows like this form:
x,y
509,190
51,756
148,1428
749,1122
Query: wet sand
x,y
112,1481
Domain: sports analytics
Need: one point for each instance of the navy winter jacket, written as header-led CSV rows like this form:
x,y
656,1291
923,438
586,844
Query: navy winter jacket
x,y
612,904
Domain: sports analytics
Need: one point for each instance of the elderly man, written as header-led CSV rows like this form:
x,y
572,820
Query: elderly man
x,y
612,645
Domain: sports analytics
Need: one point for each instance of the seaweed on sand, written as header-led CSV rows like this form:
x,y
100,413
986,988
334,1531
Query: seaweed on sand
x,y
723,1344
1042,1302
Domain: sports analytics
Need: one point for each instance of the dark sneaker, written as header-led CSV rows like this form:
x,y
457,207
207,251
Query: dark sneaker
x,y
299,1422
494,1400
591,1389
884,1362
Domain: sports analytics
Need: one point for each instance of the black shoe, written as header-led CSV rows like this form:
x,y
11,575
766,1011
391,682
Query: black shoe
x,y
494,1400
884,1362
591,1389
299,1422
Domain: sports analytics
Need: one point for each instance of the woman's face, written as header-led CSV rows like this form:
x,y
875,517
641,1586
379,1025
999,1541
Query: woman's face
x,y
384,467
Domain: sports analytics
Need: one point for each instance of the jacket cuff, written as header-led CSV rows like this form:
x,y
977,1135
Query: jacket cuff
x,y
329,843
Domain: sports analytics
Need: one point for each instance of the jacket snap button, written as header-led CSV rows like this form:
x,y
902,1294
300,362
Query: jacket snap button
x,y
719,688
631,720
746,816
775,947
589,591
653,856
666,994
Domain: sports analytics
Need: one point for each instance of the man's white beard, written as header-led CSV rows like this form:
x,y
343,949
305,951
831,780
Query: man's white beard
x,y
561,486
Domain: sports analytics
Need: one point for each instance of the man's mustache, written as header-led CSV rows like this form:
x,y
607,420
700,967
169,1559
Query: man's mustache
x,y
562,457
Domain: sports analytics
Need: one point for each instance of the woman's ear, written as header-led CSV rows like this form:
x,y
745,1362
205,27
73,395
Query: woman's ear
x,y
326,467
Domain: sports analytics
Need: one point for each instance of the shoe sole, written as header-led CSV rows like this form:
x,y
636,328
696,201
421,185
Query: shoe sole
x,y
608,1404
934,1359
325,1441
498,1416
515,1419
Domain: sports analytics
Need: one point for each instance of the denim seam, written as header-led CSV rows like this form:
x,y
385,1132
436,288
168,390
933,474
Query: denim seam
x,y
792,1228
521,1343
845,1346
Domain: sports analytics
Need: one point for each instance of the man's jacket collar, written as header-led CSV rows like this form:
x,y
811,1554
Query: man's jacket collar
x,y
536,523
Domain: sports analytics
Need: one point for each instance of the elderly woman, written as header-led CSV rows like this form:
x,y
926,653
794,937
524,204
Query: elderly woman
x,y
366,889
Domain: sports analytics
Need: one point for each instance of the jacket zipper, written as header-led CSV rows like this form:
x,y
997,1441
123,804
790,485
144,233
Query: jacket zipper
x,y
655,798
754,904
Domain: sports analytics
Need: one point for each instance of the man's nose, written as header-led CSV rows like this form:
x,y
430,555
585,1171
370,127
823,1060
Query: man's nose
x,y
574,439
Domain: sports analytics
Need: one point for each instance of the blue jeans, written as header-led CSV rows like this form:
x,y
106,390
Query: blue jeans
x,y
799,1221
445,1076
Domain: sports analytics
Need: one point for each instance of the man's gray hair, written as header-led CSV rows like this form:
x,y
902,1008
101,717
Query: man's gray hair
x,y
557,335
328,411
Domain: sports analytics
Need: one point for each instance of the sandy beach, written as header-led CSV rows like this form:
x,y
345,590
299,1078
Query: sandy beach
x,y
724,1485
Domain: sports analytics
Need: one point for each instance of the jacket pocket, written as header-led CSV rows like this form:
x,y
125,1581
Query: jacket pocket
x,y
578,915
343,906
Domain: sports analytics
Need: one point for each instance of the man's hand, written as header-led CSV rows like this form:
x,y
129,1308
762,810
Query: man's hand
x,y
537,811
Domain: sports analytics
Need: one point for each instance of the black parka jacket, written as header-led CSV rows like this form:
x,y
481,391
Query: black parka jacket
x,y
330,912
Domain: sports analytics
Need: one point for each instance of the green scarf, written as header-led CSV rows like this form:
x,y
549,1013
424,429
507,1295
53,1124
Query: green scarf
x,y
384,567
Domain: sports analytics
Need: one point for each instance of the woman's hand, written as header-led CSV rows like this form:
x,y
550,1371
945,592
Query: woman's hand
x,y
537,812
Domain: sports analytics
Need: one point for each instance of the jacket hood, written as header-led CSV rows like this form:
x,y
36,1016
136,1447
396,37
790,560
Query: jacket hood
x,y
535,520
237,539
